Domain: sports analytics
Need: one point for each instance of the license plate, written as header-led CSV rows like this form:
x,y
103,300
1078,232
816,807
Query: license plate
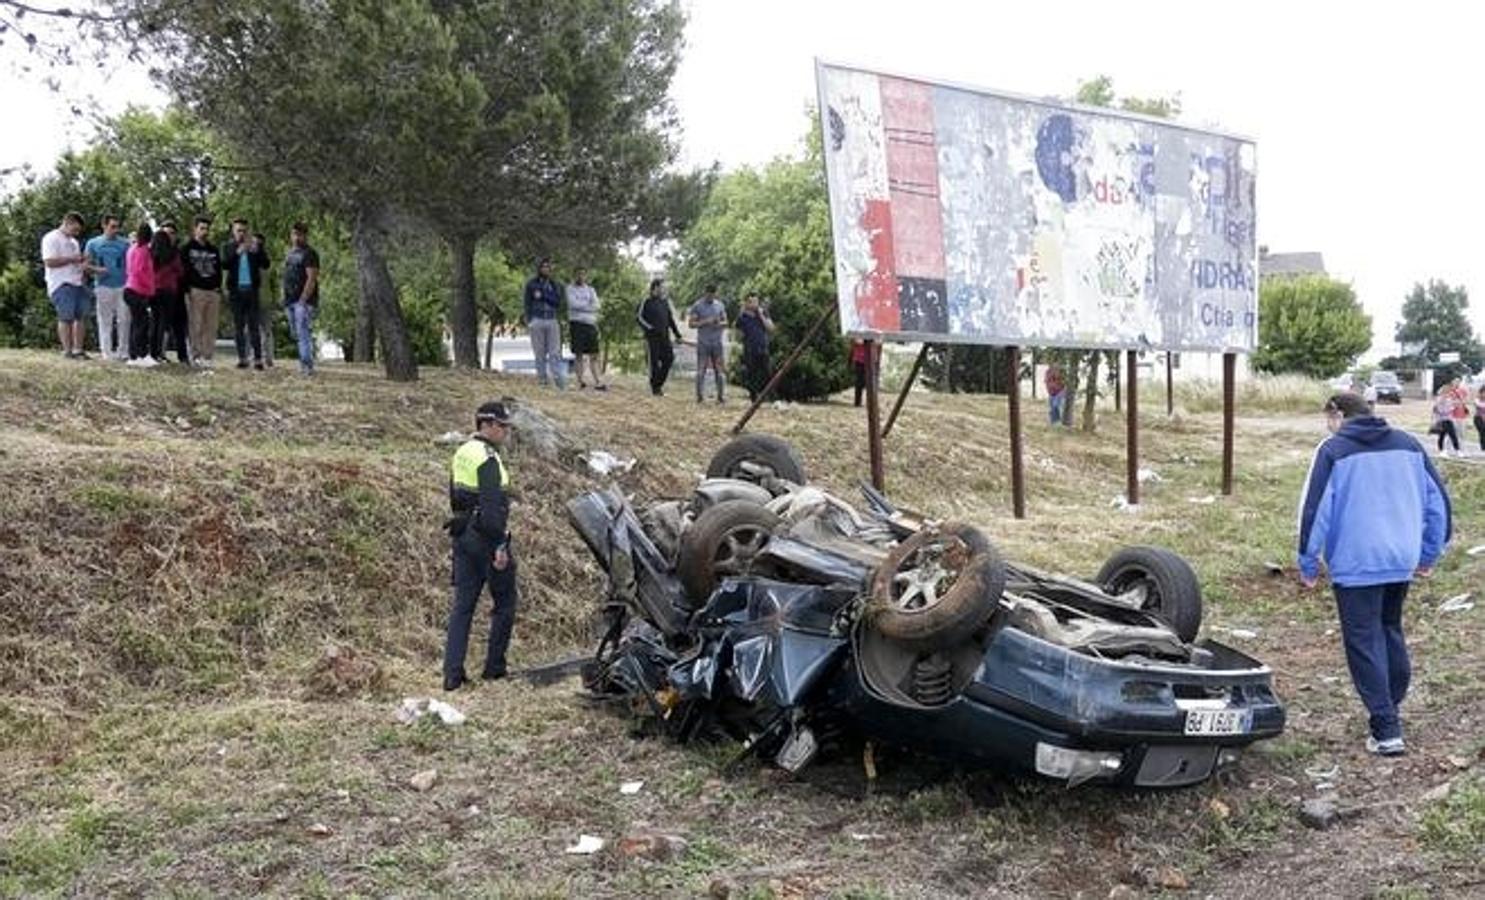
x,y
1218,721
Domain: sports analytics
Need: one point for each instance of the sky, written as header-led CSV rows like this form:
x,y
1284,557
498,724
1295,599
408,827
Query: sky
x,y
1366,127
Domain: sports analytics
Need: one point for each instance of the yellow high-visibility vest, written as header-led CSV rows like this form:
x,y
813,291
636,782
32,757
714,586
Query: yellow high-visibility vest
x,y
464,470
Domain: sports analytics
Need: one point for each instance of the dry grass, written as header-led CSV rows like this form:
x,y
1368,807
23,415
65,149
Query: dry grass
x,y
181,551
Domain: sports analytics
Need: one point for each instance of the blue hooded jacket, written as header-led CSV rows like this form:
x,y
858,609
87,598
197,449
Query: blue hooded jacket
x,y
1373,505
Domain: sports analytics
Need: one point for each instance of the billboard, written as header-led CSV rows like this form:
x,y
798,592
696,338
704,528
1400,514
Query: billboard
x,y
961,215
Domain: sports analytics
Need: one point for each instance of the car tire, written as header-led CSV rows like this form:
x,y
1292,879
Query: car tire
x,y
1173,590
722,542
761,450
903,610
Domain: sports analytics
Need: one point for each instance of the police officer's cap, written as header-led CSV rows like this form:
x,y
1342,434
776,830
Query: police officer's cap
x,y
494,411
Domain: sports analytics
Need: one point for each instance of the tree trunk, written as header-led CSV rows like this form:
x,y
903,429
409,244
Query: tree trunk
x,y
490,343
464,317
364,344
1090,397
368,235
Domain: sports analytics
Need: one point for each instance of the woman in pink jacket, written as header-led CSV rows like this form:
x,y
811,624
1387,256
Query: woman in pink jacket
x,y
139,289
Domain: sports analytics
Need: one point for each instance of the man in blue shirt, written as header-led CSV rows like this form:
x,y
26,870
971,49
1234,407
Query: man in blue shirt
x,y
539,308
106,252
244,260
1375,508
755,325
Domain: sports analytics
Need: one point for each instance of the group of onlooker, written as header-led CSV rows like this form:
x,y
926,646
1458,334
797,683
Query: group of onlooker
x,y
1451,406
542,302
157,288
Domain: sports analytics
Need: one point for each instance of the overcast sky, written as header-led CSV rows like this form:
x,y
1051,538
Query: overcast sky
x,y
1366,120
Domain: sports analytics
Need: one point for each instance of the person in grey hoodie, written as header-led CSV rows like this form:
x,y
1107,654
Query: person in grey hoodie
x,y
582,319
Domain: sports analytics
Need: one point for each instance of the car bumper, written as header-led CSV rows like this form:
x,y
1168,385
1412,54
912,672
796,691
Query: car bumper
x,y
1046,709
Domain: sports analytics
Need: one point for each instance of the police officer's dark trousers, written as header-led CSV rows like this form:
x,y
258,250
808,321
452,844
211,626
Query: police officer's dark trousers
x,y
473,570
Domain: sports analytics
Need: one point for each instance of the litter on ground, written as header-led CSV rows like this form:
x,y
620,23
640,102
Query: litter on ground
x,y
1209,498
415,708
631,787
586,844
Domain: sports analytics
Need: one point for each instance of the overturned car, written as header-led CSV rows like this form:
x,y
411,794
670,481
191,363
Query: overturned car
x,y
770,611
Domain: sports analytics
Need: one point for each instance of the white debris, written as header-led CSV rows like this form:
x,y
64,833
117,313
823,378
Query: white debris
x,y
1246,634
856,836
586,845
1144,475
1120,502
451,437
1203,501
631,787
1457,603
781,405
1475,550
415,708
603,462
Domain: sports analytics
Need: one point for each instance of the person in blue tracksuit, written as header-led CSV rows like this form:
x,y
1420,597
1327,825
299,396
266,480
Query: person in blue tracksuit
x,y
1375,508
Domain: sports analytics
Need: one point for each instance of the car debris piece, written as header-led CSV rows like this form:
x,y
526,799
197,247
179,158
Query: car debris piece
x,y
587,844
631,787
1458,603
1475,550
781,617
602,462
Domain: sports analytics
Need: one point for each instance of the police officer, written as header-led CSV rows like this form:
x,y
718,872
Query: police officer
x,y
478,493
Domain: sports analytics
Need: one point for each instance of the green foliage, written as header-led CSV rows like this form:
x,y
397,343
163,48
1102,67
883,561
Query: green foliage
x,y
621,286
966,369
768,231
25,314
90,183
1436,316
167,162
1312,325
1099,91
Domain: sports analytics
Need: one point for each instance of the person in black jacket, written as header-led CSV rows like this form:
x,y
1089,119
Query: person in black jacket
x,y
657,320
203,292
244,260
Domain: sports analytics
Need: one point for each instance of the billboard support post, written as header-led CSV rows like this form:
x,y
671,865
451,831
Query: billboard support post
x,y
1013,405
873,414
1132,432
1229,401
906,386
1170,391
778,376
1118,391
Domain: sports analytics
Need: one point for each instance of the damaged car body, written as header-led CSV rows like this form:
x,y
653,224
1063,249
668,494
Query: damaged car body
x,y
767,610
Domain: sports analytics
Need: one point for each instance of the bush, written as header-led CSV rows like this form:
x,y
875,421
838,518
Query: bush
x,y
26,318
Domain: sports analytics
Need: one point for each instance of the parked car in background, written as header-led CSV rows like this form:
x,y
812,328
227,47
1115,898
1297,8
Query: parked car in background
x,y
1343,382
1387,386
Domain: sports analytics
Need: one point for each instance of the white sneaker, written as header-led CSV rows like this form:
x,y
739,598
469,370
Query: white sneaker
x,y
1389,747
148,362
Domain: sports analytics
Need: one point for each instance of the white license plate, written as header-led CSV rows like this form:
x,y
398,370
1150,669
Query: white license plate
x,y
1218,721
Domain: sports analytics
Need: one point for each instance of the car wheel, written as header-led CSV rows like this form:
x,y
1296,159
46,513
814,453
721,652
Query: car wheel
x,y
937,588
745,454
1171,589
722,542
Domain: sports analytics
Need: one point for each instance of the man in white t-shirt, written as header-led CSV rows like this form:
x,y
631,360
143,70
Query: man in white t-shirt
x,y
67,269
